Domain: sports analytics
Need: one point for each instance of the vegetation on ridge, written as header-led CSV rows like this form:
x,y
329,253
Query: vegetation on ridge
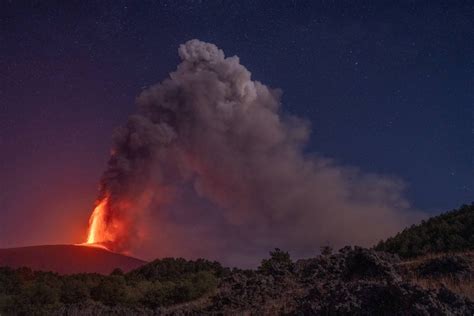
x,y
159,283
452,231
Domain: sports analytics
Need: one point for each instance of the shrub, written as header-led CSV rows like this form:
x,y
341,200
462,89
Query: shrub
x,y
326,250
279,263
111,291
36,298
174,268
74,291
10,281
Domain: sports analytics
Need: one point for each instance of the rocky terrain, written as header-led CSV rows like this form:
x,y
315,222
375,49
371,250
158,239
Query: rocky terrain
x,y
353,281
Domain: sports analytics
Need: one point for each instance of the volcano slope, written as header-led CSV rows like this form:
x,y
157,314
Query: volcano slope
x,y
67,259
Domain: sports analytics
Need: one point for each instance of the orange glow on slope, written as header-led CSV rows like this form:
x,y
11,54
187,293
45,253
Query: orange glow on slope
x,y
92,245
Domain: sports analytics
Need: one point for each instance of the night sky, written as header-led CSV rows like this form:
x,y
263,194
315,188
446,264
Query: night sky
x,y
387,85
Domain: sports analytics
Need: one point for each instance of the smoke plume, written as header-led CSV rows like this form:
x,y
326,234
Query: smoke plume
x,y
210,166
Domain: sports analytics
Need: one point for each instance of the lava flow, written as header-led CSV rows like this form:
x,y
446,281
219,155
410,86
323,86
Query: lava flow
x,y
97,223
97,235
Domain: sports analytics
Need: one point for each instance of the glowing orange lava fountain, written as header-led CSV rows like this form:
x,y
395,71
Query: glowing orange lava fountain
x,y
97,223
97,233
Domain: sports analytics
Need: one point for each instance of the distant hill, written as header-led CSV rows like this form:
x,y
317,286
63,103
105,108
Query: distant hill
x,y
452,231
67,259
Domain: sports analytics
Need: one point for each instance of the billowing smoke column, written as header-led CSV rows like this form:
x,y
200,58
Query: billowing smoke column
x,y
209,166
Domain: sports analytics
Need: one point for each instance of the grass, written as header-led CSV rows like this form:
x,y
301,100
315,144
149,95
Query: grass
x,y
461,287
464,287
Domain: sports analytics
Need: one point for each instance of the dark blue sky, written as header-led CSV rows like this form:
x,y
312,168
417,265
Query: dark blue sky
x,y
387,85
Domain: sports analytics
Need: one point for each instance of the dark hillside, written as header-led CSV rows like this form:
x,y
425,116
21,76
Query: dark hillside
x,y
67,259
352,281
452,231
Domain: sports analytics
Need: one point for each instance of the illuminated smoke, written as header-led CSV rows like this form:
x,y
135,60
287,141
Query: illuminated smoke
x,y
209,166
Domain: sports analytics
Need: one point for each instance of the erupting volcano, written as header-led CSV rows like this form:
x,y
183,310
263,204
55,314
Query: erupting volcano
x,y
105,230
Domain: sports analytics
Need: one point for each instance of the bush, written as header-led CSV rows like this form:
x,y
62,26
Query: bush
x,y
117,271
189,288
160,294
279,263
10,281
175,268
36,298
111,291
74,291
326,250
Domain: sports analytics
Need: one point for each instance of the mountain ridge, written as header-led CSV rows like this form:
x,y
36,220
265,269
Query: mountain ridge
x,y
67,259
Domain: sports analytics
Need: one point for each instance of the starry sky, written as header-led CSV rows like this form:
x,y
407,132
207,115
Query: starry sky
x,y
387,85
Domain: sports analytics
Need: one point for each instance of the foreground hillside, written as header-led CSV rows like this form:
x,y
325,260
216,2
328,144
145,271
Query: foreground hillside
x,y
449,232
67,259
353,281
434,277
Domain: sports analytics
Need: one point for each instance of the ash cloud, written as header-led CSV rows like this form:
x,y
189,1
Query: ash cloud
x,y
210,166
